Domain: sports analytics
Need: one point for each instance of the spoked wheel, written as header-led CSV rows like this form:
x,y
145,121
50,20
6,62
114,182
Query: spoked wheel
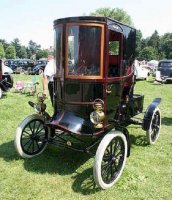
x,y
40,71
155,126
31,137
110,159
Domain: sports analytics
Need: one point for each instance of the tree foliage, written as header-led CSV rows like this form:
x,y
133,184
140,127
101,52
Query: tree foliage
x,y
16,50
20,50
166,45
2,52
42,53
148,53
10,52
159,47
4,43
114,13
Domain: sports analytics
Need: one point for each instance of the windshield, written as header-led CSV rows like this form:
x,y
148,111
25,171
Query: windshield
x,y
165,65
83,50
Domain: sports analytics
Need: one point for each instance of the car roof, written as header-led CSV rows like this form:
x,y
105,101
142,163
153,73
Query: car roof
x,y
169,60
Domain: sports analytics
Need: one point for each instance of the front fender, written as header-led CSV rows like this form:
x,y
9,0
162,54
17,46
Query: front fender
x,y
149,112
70,122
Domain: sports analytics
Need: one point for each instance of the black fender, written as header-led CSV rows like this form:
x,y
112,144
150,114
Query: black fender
x,y
149,112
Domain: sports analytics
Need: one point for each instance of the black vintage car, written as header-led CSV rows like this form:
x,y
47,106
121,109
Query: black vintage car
x,y
20,65
164,71
94,99
39,67
6,80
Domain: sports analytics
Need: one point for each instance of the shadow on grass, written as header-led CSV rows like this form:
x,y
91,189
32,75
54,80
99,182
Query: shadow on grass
x,y
84,183
54,160
166,121
63,162
138,140
7,152
4,96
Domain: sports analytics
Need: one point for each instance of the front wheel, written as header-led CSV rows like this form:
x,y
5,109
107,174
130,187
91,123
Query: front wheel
x,y
110,159
155,125
31,137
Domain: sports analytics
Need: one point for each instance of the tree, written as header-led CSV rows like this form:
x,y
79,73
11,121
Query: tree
x,y
41,54
148,53
10,52
138,42
33,48
23,52
154,40
17,45
4,43
2,52
166,45
114,13
20,50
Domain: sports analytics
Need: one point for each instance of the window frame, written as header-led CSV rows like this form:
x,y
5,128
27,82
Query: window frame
x,y
100,76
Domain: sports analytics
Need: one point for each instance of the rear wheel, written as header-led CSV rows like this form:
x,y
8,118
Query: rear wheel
x,y
40,71
31,137
155,126
110,159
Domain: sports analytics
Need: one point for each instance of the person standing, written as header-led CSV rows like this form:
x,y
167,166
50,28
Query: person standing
x,y
48,77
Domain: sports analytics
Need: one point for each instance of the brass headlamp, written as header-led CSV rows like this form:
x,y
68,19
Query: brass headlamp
x,y
97,116
40,106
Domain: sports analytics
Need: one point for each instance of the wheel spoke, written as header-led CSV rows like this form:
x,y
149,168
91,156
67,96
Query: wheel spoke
x,y
106,170
39,131
112,160
26,143
27,133
29,147
30,128
38,128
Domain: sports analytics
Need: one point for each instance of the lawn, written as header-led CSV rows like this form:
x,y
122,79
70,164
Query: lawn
x,y
64,174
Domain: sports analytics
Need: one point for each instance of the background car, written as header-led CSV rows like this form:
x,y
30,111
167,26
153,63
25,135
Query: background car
x,y
164,71
39,67
6,69
20,65
141,71
6,80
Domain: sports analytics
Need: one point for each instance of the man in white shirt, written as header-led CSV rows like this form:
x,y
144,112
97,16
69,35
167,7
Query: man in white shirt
x,y
48,76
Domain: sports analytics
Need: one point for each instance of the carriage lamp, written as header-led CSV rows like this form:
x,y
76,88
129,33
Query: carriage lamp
x,y
40,106
97,116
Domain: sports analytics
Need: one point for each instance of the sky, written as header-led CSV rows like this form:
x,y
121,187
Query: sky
x,y
33,19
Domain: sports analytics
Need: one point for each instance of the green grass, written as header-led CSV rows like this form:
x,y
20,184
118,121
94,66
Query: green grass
x,y
64,174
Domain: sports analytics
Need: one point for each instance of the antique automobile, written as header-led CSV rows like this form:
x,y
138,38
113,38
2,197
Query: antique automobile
x,y
6,80
164,71
94,98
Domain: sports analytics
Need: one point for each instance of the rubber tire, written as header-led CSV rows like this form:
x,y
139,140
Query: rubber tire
x,y
99,156
18,137
149,132
40,71
0,93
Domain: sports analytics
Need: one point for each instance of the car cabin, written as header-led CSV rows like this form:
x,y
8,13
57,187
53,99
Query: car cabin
x,y
94,57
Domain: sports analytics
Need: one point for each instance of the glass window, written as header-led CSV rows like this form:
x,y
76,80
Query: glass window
x,y
114,54
165,64
114,48
83,50
58,47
